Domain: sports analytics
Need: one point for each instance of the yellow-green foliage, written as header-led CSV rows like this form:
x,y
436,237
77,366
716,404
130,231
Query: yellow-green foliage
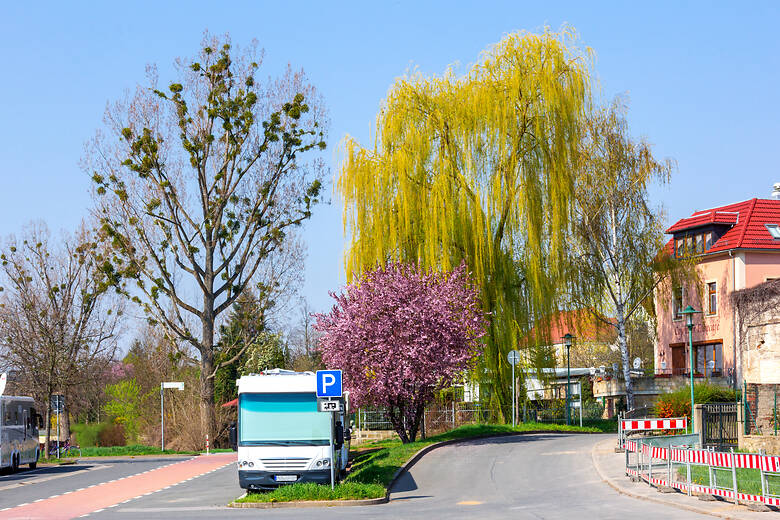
x,y
478,168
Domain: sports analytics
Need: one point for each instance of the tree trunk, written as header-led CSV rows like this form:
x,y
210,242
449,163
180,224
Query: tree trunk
x,y
208,416
623,344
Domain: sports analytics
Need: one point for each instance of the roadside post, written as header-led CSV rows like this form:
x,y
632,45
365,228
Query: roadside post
x,y
514,358
58,406
328,389
178,385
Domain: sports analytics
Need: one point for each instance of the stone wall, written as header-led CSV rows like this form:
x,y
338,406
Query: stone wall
x,y
649,386
756,443
758,332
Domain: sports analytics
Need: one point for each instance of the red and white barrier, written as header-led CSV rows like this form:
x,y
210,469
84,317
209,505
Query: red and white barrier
x,y
676,423
719,460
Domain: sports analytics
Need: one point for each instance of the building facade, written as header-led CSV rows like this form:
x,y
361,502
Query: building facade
x,y
734,247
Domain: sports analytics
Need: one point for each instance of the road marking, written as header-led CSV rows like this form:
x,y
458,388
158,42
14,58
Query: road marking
x,y
470,503
16,485
561,453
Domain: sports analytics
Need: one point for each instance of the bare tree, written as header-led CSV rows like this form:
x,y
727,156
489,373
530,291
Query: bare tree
x,y
199,186
59,319
617,237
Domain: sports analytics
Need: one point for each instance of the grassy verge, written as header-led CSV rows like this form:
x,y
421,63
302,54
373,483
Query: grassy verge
x,y
374,464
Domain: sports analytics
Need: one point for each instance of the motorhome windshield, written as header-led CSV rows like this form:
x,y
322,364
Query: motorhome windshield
x,y
282,420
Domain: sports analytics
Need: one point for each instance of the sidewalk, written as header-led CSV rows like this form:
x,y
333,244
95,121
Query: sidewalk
x,y
610,467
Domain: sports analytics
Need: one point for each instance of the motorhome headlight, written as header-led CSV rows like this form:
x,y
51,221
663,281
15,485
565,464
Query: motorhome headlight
x,y
326,462
319,463
245,463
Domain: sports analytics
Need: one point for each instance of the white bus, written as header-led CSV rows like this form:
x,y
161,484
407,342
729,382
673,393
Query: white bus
x,y
19,423
281,437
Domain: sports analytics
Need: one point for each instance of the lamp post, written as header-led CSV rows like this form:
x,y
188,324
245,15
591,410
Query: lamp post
x,y
689,312
567,341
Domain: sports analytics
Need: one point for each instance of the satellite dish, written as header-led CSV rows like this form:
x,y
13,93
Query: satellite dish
x,y
637,363
3,381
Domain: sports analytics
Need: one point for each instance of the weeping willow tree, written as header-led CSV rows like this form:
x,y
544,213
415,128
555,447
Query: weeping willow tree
x,y
477,167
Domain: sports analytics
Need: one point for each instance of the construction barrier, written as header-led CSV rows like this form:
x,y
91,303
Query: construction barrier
x,y
626,426
662,465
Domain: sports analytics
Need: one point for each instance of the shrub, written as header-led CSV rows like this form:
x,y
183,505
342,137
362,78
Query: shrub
x,y
678,403
125,405
87,434
111,435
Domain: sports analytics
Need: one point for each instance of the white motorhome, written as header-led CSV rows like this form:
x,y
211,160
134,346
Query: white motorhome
x,y
19,424
281,437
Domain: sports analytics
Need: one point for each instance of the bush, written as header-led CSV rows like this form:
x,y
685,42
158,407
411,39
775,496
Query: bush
x,y
678,403
111,435
87,434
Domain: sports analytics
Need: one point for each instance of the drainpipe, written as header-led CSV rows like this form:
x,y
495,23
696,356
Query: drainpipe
x,y
734,317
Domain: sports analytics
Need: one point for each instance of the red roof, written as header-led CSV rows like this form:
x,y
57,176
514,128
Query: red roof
x,y
746,219
580,323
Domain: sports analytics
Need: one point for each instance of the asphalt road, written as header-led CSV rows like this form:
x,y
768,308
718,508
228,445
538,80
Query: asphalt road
x,y
540,476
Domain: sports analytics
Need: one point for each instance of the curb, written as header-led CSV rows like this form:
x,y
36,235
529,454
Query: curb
x,y
617,487
404,467
308,503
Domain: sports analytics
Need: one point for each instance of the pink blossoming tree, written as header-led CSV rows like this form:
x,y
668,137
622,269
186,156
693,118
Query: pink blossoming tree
x,y
400,335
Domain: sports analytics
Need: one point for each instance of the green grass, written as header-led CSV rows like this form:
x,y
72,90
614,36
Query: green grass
x,y
135,449
375,463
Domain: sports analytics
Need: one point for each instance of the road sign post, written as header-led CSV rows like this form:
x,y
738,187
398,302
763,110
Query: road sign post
x,y
328,388
514,358
178,385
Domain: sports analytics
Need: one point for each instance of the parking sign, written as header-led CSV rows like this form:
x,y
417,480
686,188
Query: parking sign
x,y
328,383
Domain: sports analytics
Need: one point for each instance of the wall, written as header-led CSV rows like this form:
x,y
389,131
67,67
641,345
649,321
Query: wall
x,y
706,328
760,266
755,443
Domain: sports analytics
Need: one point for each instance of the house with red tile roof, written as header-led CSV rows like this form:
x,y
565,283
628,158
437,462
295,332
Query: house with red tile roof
x,y
736,246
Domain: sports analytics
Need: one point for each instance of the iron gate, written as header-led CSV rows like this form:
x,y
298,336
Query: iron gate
x,y
719,425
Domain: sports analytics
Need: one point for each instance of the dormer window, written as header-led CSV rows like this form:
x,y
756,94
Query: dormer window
x,y
774,230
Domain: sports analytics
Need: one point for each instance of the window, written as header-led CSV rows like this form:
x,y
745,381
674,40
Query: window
x,y
699,243
709,358
677,303
774,230
689,244
708,241
282,420
679,247
712,298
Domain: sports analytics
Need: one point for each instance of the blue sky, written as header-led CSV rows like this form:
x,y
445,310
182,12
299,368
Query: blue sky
x,y
701,79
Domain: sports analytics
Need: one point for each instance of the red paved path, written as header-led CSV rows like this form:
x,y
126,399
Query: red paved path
x,y
101,496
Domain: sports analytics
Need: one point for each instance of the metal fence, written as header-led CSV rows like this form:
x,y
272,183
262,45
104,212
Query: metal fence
x,y
719,421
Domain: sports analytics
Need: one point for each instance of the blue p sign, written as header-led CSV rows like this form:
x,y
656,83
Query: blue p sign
x,y
328,383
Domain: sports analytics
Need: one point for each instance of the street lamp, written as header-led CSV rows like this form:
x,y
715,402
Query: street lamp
x,y
178,385
689,312
567,341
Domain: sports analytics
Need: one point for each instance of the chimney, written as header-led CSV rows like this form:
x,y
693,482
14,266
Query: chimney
x,y
776,191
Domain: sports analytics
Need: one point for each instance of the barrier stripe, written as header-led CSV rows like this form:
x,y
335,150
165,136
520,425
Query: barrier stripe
x,y
770,464
675,423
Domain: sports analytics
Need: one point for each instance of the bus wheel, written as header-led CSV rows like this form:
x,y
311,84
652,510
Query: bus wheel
x,y
34,464
14,463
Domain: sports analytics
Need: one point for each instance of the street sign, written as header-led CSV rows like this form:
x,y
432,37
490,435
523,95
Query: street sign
x,y
178,385
325,405
513,357
57,403
328,383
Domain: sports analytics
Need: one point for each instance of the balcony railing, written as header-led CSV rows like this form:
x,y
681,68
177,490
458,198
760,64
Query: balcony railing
x,y
683,371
